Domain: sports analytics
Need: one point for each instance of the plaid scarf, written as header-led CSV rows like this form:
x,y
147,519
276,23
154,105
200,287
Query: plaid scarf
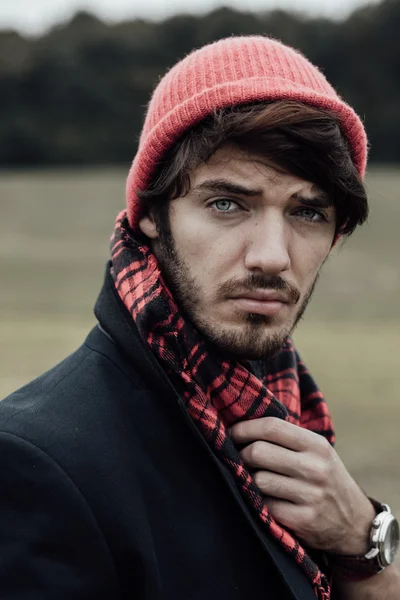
x,y
218,393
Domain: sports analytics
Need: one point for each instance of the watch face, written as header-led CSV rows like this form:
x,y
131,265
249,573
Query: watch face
x,y
391,543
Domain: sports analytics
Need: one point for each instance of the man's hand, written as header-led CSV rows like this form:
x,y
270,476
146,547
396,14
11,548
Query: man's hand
x,y
306,486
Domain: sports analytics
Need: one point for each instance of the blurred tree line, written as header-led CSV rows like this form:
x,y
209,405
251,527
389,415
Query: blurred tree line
x,y
78,94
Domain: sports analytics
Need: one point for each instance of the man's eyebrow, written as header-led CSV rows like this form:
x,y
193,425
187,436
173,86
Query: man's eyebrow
x,y
224,186
227,187
320,200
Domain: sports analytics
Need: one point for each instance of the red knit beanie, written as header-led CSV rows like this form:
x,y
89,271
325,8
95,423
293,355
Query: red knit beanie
x,y
232,71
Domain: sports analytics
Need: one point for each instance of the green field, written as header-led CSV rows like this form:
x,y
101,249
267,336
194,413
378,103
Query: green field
x,y
54,232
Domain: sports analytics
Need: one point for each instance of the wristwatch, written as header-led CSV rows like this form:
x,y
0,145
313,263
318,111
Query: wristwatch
x,y
384,540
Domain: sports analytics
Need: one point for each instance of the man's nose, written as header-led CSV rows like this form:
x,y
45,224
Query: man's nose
x,y
268,248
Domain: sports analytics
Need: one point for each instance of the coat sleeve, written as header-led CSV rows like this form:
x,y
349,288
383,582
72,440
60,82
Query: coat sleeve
x,y
50,543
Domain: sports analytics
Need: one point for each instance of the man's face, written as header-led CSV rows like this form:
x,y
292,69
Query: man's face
x,y
244,250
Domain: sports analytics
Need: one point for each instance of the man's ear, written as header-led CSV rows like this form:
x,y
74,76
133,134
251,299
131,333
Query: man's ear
x,y
338,237
148,227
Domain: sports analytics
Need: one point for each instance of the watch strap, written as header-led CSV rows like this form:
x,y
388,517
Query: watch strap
x,y
355,568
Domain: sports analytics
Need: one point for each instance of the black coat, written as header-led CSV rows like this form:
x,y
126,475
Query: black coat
x,y
108,491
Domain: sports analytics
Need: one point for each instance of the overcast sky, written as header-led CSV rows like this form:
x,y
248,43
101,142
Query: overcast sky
x,y
35,16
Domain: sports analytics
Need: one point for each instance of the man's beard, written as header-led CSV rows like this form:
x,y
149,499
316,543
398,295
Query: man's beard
x,y
246,341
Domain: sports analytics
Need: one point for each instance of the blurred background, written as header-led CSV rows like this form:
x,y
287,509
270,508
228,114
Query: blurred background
x,y
75,78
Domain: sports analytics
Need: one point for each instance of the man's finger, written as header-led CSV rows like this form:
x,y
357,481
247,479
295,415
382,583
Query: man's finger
x,y
273,458
282,487
276,431
293,516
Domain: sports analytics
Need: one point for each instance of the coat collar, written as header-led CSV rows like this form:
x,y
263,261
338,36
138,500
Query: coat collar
x,y
116,323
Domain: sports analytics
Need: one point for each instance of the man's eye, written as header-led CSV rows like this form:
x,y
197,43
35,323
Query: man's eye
x,y
224,205
309,214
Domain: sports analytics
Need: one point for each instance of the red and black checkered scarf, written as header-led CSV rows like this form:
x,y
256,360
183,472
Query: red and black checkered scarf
x,y
218,393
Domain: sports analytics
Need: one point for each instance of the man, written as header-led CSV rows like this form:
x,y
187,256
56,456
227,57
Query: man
x,y
184,451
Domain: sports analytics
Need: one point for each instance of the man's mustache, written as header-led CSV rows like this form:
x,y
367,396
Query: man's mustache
x,y
233,287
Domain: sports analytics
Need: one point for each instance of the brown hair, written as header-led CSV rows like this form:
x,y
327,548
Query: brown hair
x,y
303,140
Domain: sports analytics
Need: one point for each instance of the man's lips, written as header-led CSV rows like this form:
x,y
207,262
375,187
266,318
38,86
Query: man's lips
x,y
262,302
264,296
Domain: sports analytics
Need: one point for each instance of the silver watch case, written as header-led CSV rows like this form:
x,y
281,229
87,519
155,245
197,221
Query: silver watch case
x,y
384,537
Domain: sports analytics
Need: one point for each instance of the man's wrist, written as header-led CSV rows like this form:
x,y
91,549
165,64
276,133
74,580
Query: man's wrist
x,y
355,537
357,542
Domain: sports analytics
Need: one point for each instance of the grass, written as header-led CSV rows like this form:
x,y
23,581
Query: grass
x,y
54,233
